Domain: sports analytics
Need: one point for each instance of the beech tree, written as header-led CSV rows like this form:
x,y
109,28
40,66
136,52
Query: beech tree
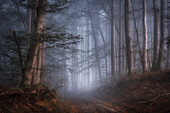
x,y
119,36
129,51
145,37
155,49
162,36
113,46
33,62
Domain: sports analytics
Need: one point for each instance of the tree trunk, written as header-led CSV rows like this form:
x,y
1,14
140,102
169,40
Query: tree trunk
x,y
88,50
42,74
137,35
95,43
145,38
113,51
104,43
161,46
39,58
155,49
120,39
168,46
129,51
30,71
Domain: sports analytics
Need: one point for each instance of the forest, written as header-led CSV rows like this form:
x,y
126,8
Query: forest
x,y
84,56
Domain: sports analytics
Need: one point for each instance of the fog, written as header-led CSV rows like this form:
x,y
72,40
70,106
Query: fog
x,y
85,63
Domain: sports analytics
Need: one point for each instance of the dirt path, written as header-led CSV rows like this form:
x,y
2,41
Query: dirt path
x,y
89,104
148,93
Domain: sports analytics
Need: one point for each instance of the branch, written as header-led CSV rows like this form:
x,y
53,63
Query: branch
x,y
19,51
19,13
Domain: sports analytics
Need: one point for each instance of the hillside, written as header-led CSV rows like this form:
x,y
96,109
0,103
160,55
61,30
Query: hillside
x,y
140,93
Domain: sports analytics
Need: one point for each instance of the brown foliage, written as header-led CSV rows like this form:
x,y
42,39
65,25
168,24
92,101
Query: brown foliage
x,y
34,99
140,93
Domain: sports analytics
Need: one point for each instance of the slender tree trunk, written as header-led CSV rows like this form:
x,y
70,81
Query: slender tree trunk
x,y
104,43
42,74
155,49
137,35
151,43
129,51
168,46
88,50
113,51
120,39
21,62
20,15
145,36
95,43
168,57
161,46
39,58
123,41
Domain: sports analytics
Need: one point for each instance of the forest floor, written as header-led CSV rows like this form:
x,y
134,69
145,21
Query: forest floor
x,y
140,93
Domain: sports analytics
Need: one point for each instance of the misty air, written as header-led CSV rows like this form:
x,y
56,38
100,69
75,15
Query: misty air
x,y
84,56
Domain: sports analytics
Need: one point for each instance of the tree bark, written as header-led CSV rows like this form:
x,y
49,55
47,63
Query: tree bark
x,y
42,74
137,35
104,43
120,39
161,46
129,51
155,49
95,43
30,71
145,38
113,51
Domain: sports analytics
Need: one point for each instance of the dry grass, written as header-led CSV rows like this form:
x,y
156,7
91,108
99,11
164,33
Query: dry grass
x,y
140,93
34,99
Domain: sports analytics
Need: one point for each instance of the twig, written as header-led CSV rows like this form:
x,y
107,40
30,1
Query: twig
x,y
154,99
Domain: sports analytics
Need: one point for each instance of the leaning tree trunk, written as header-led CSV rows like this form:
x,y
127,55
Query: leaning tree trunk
x,y
30,72
145,36
129,51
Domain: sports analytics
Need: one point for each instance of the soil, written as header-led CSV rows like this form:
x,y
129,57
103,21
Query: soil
x,y
31,99
140,93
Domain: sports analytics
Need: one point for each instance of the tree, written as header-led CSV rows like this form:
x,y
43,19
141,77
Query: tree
x,y
129,51
145,37
95,41
155,49
120,39
33,64
137,35
113,47
161,46
168,38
